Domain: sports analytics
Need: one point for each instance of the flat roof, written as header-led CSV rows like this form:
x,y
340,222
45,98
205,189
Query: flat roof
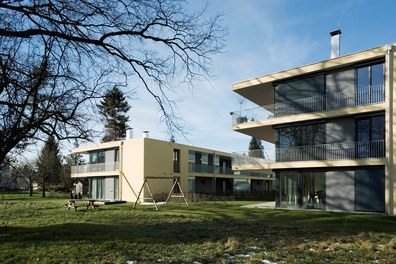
x,y
252,87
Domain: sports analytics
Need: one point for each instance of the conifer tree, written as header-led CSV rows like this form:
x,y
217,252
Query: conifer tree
x,y
70,160
256,148
49,164
113,109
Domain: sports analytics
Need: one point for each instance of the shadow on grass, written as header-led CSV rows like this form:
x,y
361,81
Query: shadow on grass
x,y
184,234
193,225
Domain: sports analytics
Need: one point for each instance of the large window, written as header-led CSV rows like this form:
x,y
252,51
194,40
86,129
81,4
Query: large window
x,y
191,161
370,134
202,162
97,157
293,142
300,96
370,84
304,135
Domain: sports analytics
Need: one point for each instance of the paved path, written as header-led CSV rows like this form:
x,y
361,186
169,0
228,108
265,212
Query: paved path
x,y
260,205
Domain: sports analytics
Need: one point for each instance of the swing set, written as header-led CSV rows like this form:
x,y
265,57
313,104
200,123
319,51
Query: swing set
x,y
172,193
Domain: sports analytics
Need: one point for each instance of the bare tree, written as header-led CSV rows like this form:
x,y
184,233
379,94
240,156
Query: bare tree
x,y
55,55
28,173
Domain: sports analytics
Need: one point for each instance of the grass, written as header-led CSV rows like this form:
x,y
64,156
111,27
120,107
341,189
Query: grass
x,y
35,230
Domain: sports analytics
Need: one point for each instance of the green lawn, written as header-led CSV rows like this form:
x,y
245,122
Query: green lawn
x,y
35,230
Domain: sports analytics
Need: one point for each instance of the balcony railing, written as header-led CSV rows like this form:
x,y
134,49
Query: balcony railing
x,y
371,95
205,168
253,157
336,151
98,167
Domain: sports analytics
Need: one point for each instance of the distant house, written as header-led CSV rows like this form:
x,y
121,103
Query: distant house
x,y
10,180
116,170
333,125
7,182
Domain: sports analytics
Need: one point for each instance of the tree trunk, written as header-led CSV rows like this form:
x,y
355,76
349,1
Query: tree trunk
x,y
30,186
43,188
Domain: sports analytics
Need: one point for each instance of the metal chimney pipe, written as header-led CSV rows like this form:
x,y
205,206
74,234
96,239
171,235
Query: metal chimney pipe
x,y
129,133
146,134
335,43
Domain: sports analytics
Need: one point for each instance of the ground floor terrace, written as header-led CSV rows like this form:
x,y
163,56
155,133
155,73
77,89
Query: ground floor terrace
x,y
107,187
360,189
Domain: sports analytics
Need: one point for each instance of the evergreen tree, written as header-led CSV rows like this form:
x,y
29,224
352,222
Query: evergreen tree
x,y
256,148
113,109
49,164
70,160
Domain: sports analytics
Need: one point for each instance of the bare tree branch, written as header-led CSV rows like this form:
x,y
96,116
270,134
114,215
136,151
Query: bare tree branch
x,y
57,55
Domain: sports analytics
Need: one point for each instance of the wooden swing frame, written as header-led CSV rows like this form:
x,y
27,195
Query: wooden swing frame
x,y
176,182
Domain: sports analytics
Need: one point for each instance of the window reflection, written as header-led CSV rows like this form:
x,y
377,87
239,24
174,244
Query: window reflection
x,y
370,135
370,81
291,142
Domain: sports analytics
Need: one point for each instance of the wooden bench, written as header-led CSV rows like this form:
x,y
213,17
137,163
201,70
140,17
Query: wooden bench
x,y
91,203
71,204
94,206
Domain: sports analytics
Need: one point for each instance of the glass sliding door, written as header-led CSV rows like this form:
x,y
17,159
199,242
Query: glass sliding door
x,y
363,138
92,187
302,189
96,188
312,190
288,189
116,184
370,84
363,83
370,134
377,83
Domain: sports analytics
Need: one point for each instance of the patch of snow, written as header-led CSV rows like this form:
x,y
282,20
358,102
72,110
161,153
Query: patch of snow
x,y
249,254
268,262
228,256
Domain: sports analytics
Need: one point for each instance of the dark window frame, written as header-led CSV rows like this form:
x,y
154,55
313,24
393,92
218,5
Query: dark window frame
x,y
176,160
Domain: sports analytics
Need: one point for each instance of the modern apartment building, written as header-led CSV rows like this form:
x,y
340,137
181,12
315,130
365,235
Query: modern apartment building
x,y
333,126
116,170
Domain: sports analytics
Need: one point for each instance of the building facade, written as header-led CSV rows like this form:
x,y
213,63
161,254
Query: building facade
x,y
116,170
333,128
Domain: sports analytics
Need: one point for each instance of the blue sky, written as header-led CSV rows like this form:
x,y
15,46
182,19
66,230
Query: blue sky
x,y
264,37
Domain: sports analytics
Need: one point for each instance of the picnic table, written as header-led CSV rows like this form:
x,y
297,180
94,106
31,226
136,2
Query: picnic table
x,y
71,204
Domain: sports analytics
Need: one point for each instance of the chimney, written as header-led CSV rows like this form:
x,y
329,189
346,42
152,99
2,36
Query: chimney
x,y
146,134
129,133
335,43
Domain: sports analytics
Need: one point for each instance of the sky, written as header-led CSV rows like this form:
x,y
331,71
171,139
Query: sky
x,y
265,36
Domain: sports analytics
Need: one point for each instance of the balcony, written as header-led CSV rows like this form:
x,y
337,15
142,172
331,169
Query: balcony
x,y
205,168
336,151
370,95
98,167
